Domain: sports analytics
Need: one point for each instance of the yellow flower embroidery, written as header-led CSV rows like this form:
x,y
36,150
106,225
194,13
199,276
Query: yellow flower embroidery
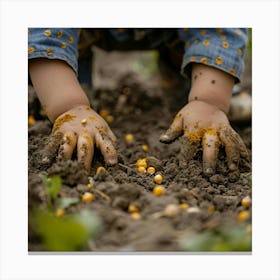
x,y
59,34
195,42
204,60
225,45
188,44
31,50
63,45
219,30
232,71
223,37
238,32
219,60
70,40
206,43
202,31
192,59
47,33
49,51
240,52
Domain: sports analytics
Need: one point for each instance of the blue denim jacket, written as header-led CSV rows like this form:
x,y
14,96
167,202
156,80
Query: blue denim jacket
x,y
222,48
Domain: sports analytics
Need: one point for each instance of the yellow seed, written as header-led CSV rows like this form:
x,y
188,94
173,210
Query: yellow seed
x,y
109,118
158,179
31,120
171,210
151,170
103,113
211,209
83,121
100,169
141,169
89,185
145,148
59,212
184,205
142,162
135,216
129,138
158,190
243,215
133,208
246,201
87,197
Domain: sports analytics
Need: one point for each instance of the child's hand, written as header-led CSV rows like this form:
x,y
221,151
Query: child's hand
x,y
204,123
84,128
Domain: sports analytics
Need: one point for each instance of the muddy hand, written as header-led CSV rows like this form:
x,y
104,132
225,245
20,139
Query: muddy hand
x,y
204,124
83,128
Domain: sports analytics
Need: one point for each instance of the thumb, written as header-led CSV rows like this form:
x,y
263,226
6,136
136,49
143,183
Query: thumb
x,y
175,130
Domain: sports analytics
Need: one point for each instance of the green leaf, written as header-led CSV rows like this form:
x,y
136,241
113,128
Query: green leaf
x,y
66,202
60,234
90,221
52,185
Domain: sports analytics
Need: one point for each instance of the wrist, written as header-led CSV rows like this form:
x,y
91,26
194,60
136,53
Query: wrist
x,y
57,87
212,86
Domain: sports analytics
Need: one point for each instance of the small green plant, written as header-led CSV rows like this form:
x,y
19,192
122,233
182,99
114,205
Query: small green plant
x,y
69,233
221,239
52,186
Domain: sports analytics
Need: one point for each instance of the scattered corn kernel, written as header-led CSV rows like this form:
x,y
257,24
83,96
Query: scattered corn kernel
x,y
141,169
59,212
184,205
31,120
171,210
87,197
145,148
83,121
158,190
142,162
151,170
109,118
89,185
158,179
193,210
135,216
211,209
246,201
100,169
129,138
103,113
133,208
243,215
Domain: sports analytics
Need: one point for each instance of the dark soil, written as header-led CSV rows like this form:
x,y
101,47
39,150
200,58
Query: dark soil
x,y
146,112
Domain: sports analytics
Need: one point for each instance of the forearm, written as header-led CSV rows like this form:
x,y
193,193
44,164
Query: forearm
x,y
212,86
56,85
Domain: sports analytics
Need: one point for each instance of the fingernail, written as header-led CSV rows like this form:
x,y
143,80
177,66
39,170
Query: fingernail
x,y
112,161
164,138
232,167
209,171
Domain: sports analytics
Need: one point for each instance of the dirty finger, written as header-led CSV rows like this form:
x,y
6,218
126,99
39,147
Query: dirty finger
x,y
68,145
85,151
175,130
232,147
107,148
52,146
210,146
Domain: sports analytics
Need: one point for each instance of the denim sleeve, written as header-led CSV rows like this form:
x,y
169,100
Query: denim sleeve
x,y
54,43
222,48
